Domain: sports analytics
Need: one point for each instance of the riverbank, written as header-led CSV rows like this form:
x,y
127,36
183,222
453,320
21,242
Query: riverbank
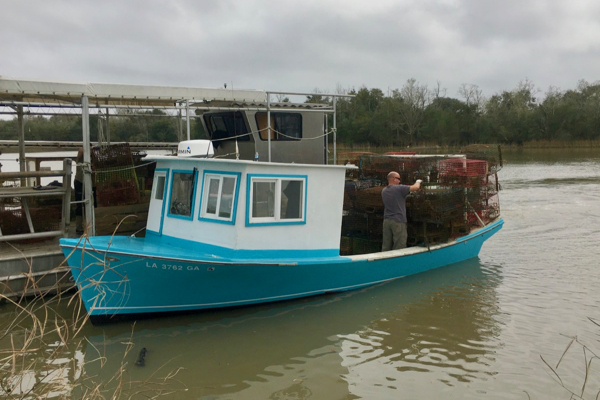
x,y
433,148
556,144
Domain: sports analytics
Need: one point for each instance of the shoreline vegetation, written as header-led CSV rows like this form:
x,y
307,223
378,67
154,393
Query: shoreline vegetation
x,y
45,352
556,144
414,115
531,145
425,147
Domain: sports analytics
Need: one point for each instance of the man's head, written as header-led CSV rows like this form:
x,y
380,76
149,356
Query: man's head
x,y
393,178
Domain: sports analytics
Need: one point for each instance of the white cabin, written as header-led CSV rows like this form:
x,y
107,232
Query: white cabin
x,y
246,205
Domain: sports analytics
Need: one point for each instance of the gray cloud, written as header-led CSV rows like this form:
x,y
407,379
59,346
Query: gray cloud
x,y
300,46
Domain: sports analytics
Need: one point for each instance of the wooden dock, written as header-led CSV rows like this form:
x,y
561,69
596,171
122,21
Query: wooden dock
x,y
31,260
35,268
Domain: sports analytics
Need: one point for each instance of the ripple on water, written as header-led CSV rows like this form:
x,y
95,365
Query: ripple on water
x,y
447,338
474,330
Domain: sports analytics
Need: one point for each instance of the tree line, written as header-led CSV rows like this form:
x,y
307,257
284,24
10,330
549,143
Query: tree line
x,y
127,126
412,115
417,114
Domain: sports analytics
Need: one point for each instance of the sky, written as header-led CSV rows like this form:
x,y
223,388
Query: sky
x,y
304,45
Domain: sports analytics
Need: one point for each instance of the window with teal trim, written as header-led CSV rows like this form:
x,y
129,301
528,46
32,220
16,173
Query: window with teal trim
x,y
160,187
182,194
276,200
219,197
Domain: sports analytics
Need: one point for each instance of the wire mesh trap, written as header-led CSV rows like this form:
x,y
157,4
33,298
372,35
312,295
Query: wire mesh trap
x,y
457,194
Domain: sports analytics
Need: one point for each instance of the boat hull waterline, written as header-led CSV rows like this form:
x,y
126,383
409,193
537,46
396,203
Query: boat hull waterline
x,y
118,283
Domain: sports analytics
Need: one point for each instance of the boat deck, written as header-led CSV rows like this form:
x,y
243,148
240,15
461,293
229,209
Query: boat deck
x,y
199,252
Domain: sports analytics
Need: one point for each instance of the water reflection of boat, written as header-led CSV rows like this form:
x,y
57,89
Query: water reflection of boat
x,y
317,345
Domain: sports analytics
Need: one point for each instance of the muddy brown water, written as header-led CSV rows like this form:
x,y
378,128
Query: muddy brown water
x,y
493,327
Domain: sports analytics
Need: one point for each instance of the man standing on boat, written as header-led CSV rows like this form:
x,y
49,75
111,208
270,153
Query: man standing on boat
x,y
394,213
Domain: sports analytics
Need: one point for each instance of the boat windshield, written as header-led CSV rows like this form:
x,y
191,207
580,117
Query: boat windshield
x,y
226,126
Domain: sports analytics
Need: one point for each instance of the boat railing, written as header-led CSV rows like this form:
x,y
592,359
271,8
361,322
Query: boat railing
x,y
25,192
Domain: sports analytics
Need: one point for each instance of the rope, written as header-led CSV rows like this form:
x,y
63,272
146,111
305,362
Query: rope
x,y
477,215
87,166
225,155
138,231
232,137
332,130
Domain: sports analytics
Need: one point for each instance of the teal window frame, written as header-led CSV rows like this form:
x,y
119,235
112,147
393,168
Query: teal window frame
x,y
204,196
193,195
276,219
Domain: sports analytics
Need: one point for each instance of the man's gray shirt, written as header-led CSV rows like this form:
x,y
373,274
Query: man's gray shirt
x,y
394,201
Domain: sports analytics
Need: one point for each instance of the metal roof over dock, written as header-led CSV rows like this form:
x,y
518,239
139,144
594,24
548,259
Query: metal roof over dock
x,y
15,91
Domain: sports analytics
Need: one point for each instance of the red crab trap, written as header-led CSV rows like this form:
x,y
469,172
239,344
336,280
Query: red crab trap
x,y
463,172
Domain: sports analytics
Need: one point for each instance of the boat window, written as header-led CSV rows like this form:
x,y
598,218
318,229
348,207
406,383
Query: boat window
x,y
263,199
276,200
291,199
160,187
284,126
226,203
226,126
181,203
219,196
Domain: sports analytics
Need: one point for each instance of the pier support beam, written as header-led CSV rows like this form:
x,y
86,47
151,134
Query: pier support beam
x,y
187,118
87,167
108,126
334,131
269,131
21,124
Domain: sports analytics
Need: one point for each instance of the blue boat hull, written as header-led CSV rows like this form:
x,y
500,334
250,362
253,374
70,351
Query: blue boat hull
x,y
113,281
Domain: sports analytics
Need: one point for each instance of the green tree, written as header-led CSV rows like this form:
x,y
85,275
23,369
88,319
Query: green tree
x,y
512,114
441,121
412,100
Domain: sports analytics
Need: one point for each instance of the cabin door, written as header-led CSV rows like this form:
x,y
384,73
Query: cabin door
x,y
156,211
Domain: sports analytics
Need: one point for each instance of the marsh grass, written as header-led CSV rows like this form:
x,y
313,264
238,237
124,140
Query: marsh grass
x,y
44,353
573,381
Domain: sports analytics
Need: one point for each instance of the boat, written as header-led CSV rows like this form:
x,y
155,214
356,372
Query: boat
x,y
255,214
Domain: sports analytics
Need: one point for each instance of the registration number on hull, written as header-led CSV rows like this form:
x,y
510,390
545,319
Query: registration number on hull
x,y
175,267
